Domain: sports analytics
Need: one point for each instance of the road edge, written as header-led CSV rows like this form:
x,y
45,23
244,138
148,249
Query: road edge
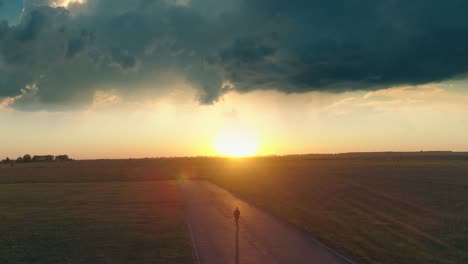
x,y
188,221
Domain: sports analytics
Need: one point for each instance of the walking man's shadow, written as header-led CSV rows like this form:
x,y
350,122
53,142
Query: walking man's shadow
x,y
236,259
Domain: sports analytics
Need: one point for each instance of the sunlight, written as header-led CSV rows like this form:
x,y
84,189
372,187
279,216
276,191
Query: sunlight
x,y
65,3
236,142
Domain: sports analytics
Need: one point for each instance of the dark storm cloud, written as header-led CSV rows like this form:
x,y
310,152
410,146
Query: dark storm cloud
x,y
33,24
78,44
341,45
290,46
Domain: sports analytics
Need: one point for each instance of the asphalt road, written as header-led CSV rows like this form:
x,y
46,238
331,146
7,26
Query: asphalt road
x,y
260,237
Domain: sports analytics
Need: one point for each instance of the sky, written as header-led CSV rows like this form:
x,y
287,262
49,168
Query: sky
x,y
149,78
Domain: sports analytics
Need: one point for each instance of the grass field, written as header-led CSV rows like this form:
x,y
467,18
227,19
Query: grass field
x,y
90,216
376,211
410,210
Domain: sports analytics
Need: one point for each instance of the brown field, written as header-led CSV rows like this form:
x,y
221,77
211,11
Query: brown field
x,y
376,211
89,217
398,210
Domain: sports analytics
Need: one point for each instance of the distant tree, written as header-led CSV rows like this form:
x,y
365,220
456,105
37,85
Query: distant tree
x,y
62,158
43,158
7,160
19,159
27,158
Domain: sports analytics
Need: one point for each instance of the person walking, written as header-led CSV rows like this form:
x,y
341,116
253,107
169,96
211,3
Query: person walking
x,y
237,215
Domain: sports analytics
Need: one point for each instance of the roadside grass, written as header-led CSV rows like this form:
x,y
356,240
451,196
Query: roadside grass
x,y
376,211
92,222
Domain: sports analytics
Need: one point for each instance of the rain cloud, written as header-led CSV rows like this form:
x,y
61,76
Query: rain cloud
x,y
69,52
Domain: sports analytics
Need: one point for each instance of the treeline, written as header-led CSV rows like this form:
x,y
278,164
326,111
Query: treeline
x,y
37,158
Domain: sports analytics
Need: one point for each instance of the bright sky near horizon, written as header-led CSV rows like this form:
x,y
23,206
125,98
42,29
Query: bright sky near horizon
x,y
204,77
399,119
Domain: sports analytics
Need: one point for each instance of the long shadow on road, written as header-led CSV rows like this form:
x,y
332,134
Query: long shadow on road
x,y
236,260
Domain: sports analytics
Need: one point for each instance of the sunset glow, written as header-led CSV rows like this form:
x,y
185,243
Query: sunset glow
x,y
237,142
168,78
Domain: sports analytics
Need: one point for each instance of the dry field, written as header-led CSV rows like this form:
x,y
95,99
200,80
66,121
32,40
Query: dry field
x,y
376,210
80,212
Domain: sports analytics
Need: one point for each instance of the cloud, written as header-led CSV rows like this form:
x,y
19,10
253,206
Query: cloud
x,y
64,3
429,98
27,93
105,99
178,2
71,49
406,92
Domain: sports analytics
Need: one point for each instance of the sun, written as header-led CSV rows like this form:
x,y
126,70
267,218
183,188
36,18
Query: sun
x,y
236,142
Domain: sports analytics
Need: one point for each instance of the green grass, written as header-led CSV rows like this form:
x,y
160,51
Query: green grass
x,y
92,218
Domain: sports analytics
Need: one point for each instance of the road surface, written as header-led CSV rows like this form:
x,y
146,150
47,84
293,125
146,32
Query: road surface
x,y
260,238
